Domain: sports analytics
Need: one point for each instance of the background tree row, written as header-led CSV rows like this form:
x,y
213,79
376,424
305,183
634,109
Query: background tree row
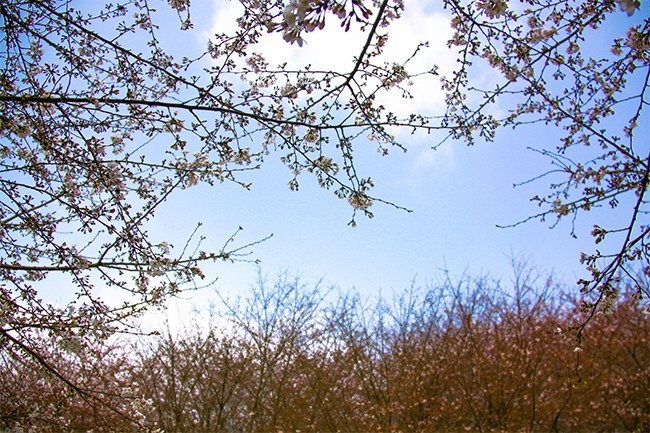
x,y
466,354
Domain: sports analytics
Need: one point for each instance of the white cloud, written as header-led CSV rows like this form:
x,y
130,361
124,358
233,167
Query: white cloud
x,y
419,25
426,159
330,49
335,49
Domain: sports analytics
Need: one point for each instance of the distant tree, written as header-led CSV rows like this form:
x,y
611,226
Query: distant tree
x,y
102,397
469,353
100,123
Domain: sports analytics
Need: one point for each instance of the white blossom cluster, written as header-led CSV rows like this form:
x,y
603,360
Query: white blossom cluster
x,y
179,5
359,200
303,15
397,75
629,6
493,8
294,18
608,301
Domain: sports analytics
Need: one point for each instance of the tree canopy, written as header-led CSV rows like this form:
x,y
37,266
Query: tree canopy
x,y
100,123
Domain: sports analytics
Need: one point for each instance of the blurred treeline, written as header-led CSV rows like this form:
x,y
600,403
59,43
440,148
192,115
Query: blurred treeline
x,y
466,354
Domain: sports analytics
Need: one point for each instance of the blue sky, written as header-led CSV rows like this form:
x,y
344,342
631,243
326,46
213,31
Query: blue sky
x,y
458,194
457,203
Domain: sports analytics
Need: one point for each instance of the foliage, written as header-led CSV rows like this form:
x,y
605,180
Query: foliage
x,y
459,354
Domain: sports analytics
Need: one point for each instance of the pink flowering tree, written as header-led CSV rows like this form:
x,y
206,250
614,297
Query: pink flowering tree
x,y
100,123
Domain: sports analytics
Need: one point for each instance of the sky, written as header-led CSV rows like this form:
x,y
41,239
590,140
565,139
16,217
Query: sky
x,y
459,195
